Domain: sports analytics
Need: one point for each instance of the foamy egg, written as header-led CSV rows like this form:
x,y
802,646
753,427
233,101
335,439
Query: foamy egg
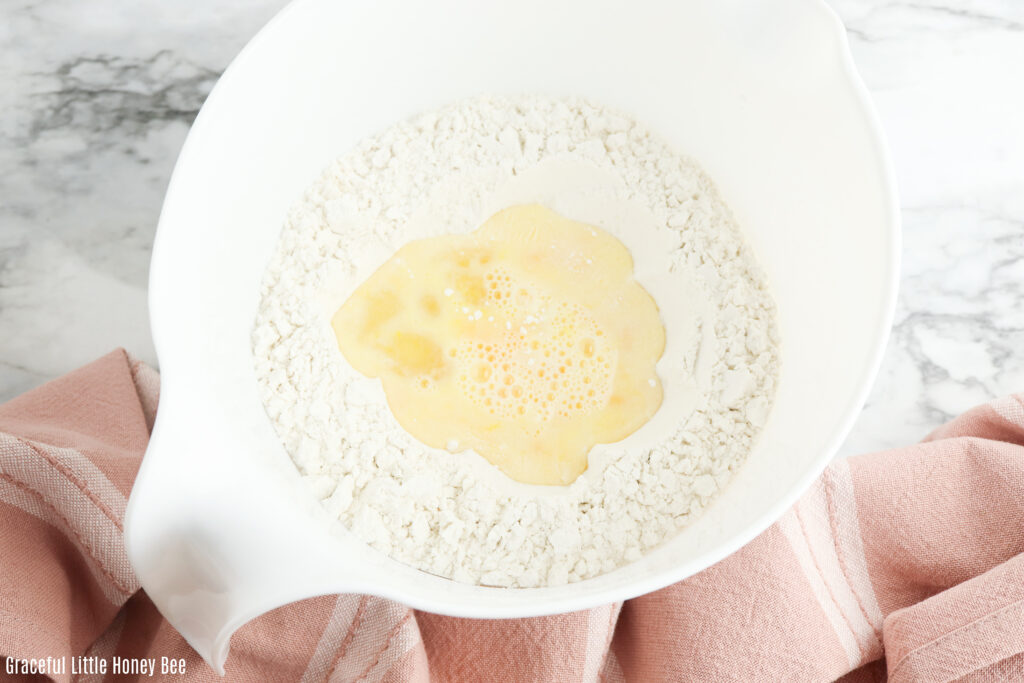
x,y
527,341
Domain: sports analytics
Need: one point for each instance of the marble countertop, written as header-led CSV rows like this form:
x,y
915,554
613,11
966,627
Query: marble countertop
x,y
98,95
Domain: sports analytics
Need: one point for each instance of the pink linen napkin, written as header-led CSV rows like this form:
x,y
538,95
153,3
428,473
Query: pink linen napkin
x,y
905,565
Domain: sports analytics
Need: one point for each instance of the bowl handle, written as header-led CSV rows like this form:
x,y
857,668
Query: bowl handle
x,y
214,544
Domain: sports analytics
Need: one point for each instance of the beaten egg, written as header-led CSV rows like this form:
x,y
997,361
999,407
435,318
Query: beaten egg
x,y
526,341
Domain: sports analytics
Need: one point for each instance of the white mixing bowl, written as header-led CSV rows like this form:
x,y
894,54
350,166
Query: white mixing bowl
x,y
762,93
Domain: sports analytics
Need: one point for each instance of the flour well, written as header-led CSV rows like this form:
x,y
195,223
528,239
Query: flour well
x,y
449,512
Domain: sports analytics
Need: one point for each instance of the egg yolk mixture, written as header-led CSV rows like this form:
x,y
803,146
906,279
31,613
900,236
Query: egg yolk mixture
x,y
527,341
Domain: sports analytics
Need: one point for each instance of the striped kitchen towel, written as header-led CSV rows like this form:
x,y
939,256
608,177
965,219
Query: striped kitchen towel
x,y
906,565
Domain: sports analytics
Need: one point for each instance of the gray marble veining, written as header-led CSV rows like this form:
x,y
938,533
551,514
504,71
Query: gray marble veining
x,y
947,77
96,100
97,96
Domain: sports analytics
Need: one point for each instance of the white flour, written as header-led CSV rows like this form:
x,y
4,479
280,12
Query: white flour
x,y
453,514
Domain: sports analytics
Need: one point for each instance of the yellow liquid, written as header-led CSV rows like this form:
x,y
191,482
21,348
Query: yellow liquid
x,y
527,341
